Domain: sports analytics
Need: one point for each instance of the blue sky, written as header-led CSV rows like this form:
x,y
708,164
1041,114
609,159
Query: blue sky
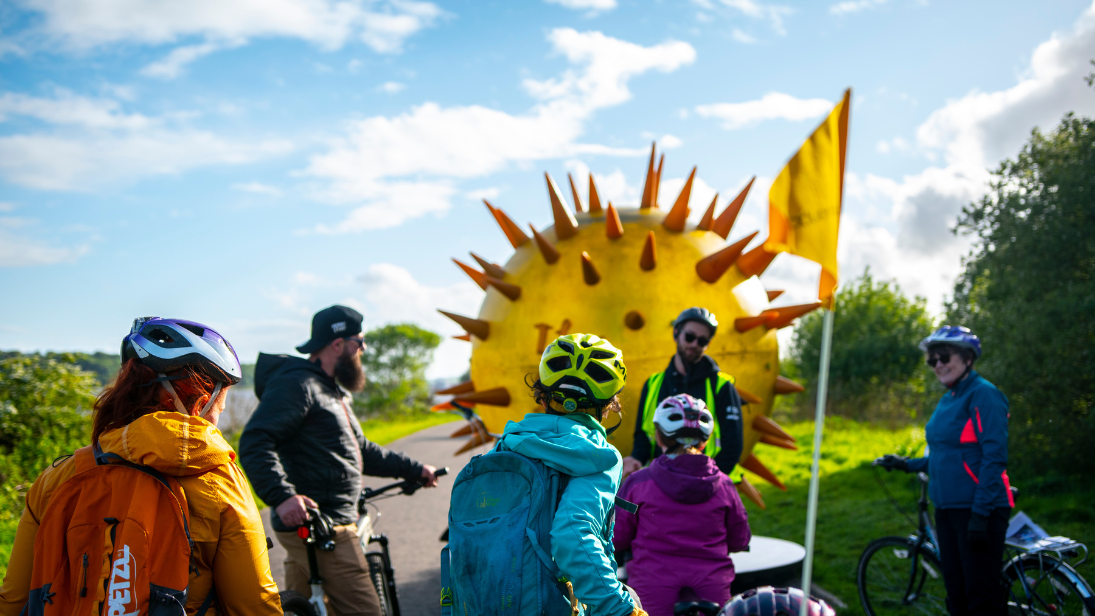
x,y
247,162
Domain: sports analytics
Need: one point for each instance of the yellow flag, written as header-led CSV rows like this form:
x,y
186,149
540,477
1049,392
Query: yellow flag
x,y
804,203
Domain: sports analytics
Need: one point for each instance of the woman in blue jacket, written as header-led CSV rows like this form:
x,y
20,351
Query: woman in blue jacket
x,y
966,460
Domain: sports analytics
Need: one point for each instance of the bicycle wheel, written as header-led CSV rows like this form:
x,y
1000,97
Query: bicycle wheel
x,y
292,602
380,581
1042,585
892,579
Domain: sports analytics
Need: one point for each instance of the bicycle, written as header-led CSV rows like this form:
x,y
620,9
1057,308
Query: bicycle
x,y
318,533
899,575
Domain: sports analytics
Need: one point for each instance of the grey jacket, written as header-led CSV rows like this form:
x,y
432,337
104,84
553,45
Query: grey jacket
x,y
304,439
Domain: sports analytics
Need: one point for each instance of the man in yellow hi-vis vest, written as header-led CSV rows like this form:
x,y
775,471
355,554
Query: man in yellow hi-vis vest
x,y
694,373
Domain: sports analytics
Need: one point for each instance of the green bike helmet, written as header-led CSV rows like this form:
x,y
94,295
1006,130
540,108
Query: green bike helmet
x,y
582,371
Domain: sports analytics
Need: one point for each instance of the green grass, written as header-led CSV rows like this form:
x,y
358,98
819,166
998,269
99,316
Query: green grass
x,y
853,509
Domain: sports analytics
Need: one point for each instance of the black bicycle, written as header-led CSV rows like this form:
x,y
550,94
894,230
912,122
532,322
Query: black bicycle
x,y
902,575
318,533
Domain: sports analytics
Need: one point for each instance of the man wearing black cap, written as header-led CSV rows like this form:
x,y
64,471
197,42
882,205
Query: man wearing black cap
x,y
304,449
696,374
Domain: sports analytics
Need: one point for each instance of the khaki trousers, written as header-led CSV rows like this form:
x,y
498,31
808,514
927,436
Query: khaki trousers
x,y
345,573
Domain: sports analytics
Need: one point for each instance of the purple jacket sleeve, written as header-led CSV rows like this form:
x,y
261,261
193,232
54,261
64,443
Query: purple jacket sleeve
x,y
737,520
626,523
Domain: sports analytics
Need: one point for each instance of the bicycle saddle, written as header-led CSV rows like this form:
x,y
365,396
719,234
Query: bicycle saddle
x,y
687,608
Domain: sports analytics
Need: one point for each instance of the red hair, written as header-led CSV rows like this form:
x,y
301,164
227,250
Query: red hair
x,y
128,398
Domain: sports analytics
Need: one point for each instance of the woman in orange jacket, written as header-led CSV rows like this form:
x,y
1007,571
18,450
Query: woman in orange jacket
x,y
161,412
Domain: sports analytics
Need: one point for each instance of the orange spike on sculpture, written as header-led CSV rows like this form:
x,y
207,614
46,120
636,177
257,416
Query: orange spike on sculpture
x,y
565,224
589,271
614,229
754,262
649,259
768,439
708,216
748,397
477,276
464,337
747,490
773,294
788,314
594,198
744,324
477,439
491,269
461,388
725,221
765,425
464,430
712,267
675,219
512,291
513,233
547,249
574,191
481,329
650,186
658,179
499,396
753,464
785,385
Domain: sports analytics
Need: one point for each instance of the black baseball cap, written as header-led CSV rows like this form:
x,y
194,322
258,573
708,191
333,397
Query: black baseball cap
x,y
329,325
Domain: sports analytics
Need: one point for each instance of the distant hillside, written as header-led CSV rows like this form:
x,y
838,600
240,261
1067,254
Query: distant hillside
x,y
105,365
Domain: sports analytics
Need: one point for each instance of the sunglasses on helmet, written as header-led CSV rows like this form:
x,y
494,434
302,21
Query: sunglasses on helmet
x,y
689,337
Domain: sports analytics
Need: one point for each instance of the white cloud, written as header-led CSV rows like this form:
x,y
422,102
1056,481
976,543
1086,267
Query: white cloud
x,y
483,193
94,142
854,6
670,142
382,25
391,87
590,5
772,13
738,35
437,145
172,64
19,251
258,188
611,187
772,106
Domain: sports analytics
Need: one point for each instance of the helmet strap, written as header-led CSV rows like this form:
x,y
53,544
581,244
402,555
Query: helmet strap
x,y
212,399
174,396
969,368
609,431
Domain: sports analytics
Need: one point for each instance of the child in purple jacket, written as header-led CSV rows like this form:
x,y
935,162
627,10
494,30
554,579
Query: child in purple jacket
x,y
689,517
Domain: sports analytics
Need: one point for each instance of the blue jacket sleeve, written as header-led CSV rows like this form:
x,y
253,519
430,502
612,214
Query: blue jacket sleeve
x,y
989,409
918,465
580,549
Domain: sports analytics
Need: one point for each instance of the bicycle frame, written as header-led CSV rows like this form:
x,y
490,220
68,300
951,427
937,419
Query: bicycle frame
x,y
925,537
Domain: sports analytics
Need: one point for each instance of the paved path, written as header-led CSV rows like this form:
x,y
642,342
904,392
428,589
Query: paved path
x,y
413,524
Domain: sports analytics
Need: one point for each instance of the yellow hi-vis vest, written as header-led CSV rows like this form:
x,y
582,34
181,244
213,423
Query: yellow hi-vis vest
x,y
654,385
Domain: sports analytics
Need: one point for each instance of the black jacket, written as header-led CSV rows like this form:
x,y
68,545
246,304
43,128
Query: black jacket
x,y
304,439
727,411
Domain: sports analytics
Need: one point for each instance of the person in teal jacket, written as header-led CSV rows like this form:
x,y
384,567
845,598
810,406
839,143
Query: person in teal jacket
x,y
967,464
580,377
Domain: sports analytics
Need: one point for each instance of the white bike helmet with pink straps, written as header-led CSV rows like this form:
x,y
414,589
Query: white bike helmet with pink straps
x,y
684,419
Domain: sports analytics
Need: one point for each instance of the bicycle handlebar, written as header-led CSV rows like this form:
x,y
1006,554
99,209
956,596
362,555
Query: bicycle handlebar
x,y
408,486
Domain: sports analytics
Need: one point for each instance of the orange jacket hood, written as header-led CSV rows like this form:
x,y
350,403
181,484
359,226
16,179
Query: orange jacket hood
x,y
172,443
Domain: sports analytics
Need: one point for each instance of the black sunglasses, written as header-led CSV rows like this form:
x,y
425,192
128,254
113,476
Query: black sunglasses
x,y
356,340
689,337
942,357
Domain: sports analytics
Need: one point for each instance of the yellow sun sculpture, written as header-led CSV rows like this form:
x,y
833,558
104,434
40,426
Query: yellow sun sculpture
x,y
624,274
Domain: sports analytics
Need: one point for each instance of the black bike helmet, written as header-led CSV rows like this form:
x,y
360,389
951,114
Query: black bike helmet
x,y
769,601
696,313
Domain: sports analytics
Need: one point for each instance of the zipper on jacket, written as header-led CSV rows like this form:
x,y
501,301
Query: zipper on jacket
x,y
83,589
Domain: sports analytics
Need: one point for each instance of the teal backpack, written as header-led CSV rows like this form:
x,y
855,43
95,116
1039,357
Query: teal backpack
x,y
498,559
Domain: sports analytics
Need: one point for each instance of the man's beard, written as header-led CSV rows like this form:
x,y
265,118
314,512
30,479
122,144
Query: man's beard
x,y
689,355
349,373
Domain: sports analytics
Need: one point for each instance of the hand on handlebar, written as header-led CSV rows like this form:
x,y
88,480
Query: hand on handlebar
x,y
891,462
429,476
293,511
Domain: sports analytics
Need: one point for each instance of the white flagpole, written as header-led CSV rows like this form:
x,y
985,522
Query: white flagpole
x,y
819,425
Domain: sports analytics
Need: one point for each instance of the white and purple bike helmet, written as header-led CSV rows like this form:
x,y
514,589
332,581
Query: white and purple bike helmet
x,y
684,419
954,335
169,344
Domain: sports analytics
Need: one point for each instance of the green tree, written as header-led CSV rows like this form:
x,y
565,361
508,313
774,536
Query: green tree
x,y
44,413
395,365
1028,290
875,371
